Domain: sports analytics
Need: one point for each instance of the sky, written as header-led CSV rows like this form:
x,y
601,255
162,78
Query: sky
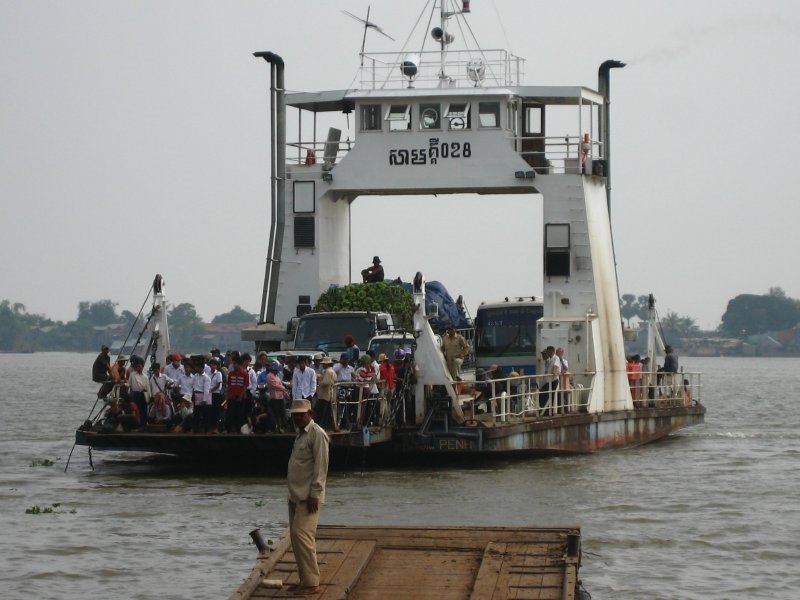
x,y
134,140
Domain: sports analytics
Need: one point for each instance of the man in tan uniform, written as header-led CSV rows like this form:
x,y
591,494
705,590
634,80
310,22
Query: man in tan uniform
x,y
455,348
308,470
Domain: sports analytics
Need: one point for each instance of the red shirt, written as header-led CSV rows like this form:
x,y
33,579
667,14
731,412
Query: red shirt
x,y
238,380
387,374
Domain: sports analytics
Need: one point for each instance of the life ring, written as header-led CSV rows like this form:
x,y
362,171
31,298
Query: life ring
x,y
311,157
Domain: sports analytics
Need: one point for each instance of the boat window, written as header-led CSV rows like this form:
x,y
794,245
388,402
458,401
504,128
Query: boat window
x,y
533,119
303,196
489,114
429,116
556,250
399,117
371,117
512,117
457,115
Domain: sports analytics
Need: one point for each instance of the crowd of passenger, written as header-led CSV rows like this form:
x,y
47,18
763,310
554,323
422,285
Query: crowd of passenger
x,y
667,384
233,393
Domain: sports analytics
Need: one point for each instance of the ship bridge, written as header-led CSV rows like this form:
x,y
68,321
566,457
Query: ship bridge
x,y
450,140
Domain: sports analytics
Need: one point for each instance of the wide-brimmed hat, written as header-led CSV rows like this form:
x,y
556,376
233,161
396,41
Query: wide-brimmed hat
x,y
300,406
122,358
327,360
382,357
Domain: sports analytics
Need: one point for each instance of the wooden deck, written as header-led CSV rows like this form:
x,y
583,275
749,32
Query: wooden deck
x,y
437,563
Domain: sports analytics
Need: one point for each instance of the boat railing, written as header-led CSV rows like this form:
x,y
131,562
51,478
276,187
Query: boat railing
x,y
523,396
358,404
558,154
465,68
326,153
662,389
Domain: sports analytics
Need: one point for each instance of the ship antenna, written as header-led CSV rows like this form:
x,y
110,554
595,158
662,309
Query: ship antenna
x,y
367,25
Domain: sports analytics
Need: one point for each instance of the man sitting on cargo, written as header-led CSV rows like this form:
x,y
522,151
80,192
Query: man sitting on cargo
x,y
374,273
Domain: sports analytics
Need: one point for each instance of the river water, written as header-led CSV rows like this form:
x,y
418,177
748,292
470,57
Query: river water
x,y
711,512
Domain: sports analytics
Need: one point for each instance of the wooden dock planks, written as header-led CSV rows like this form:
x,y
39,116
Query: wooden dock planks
x,y
436,563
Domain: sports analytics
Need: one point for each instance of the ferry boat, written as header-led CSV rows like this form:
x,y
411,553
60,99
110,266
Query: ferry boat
x,y
450,121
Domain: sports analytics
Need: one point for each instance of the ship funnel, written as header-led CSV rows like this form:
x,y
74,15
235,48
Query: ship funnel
x,y
441,36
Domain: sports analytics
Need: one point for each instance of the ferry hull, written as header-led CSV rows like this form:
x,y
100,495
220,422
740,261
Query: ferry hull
x,y
568,434
561,435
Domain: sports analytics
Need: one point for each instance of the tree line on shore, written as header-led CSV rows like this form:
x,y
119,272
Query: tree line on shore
x,y
746,315
99,323
20,331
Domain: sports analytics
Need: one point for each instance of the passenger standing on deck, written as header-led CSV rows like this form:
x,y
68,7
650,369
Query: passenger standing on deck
x,y
184,379
201,398
552,369
235,413
304,380
216,393
277,396
326,391
139,387
307,475
455,348
386,382
634,369
564,381
174,368
343,369
374,273
159,383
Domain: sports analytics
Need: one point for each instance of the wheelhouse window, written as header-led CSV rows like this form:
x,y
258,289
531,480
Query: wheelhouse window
x,y
371,117
399,117
430,116
457,115
556,250
489,114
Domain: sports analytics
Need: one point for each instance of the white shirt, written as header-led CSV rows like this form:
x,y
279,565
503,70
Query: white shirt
x,y
137,382
159,384
173,372
201,389
304,383
554,366
253,385
216,382
343,373
185,382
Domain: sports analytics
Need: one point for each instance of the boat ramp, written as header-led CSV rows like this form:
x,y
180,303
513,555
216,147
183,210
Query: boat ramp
x,y
436,563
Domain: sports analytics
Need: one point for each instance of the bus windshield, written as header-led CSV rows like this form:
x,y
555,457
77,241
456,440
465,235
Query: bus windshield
x,y
506,330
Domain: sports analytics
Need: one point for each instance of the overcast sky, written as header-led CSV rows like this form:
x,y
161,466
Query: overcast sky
x,y
134,139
